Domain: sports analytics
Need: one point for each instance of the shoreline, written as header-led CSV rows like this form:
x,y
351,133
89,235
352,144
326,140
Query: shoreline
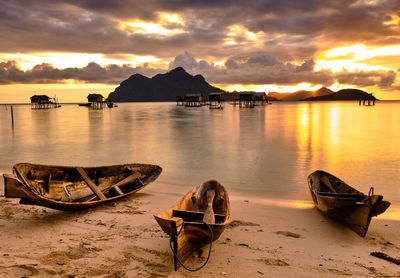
x,y
123,240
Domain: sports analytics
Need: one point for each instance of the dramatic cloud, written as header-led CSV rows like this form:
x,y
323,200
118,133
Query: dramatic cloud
x,y
235,42
257,70
383,79
288,29
10,73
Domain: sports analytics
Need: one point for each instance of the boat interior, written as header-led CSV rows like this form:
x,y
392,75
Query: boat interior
x,y
70,184
326,184
195,216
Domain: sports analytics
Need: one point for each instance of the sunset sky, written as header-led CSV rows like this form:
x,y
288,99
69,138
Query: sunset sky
x,y
72,48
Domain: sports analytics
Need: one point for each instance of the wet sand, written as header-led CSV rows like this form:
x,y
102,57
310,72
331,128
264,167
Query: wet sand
x,y
124,240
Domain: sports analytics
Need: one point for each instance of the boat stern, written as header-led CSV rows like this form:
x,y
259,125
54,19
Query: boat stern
x,y
13,187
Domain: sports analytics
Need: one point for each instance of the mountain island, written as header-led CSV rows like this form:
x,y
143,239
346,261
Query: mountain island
x,y
177,82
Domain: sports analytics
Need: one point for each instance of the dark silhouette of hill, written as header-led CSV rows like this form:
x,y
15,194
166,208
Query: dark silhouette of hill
x,y
300,95
269,98
277,95
345,94
161,87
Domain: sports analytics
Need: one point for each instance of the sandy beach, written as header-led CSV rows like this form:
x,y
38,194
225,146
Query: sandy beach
x,y
123,240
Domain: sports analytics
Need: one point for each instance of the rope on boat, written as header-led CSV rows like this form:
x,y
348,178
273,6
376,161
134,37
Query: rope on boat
x,y
175,237
371,191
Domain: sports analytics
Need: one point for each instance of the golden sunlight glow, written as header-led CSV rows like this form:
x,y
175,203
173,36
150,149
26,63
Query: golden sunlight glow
x,y
238,31
269,88
393,213
303,125
340,65
299,204
172,18
353,58
71,92
334,123
381,51
229,41
147,28
65,60
394,21
159,28
337,86
346,50
219,64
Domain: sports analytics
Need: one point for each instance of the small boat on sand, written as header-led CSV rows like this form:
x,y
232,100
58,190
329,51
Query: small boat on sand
x,y
196,220
343,203
76,188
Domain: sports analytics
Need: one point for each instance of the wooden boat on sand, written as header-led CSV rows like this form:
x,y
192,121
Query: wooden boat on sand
x,y
76,188
343,203
196,220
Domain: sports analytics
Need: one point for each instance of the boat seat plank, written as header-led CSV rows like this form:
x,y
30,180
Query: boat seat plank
x,y
115,189
358,196
325,181
195,216
91,184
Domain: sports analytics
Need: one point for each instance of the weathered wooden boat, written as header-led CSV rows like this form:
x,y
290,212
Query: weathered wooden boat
x,y
76,188
343,203
197,219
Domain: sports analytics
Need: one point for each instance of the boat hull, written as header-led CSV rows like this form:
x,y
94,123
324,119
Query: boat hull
x,y
347,206
61,187
194,234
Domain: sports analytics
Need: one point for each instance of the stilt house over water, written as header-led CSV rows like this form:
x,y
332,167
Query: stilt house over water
x,y
246,100
96,101
215,100
43,102
260,98
193,100
180,100
367,100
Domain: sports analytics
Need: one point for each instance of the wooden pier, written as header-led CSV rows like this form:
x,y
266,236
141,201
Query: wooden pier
x,y
367,101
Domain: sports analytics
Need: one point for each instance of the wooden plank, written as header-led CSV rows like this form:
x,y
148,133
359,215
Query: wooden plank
x,y
116,186
195,216
128,179
91,184
209,217
357,196
328,184
22,177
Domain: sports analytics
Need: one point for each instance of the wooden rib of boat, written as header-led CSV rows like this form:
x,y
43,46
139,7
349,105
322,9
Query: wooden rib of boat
x,y
207,203
76,188
343,203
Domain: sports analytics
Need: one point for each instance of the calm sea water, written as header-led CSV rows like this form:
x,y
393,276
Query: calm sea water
x,y
261,153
